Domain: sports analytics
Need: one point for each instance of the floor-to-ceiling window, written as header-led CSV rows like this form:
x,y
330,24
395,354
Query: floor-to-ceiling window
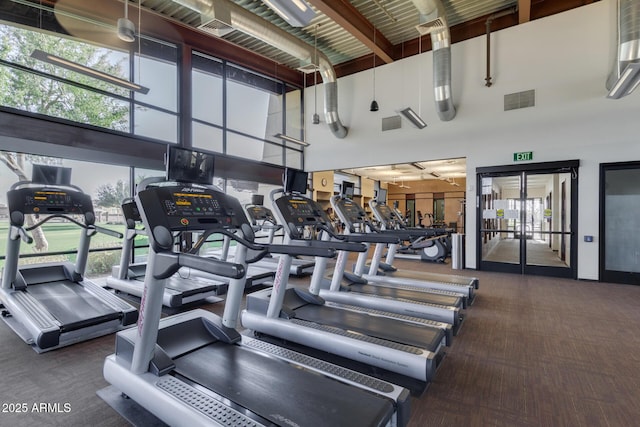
x,y
57,240
233,110
240,112
33,80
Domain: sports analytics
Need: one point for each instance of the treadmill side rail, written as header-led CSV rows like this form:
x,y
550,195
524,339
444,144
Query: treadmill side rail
x,y
42,328
412,362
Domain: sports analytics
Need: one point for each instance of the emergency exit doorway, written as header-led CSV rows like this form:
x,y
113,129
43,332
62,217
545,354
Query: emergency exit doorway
x,y
527,216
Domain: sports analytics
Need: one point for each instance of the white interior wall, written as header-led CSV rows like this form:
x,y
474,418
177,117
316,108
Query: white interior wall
x,y
566,58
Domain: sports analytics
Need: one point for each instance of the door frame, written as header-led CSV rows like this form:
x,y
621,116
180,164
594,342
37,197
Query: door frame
x,y
567,166
605,275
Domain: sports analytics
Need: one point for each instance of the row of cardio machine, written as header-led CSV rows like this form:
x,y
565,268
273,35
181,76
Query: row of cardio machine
x,y
302,357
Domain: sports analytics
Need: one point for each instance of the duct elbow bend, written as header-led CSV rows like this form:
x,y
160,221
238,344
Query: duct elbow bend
x,y
446,110
337,128
331,110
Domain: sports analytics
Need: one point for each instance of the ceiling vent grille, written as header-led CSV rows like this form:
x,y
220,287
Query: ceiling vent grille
x,y
525,99
216,27
391,123
435,25
216,20
308,68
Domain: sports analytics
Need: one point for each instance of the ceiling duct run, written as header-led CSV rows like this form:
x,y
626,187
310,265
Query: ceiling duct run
x,y
624,78
248,23
432,21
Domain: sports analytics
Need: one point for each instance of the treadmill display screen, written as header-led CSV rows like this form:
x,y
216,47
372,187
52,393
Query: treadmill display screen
x,y
260,213
352,211
385,212
192,204
301,211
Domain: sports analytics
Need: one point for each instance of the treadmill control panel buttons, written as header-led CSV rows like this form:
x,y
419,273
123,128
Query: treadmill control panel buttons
x,y
41,201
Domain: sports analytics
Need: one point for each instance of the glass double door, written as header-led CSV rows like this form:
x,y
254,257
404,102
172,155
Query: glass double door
x,y
527,220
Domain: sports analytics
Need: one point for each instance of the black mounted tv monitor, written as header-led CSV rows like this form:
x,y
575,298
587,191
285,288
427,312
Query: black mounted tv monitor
x,y
382,196
295,181
257,199
348,189
51,175
185,165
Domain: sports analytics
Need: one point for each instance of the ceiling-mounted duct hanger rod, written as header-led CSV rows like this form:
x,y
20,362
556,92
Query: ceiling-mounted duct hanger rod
x,y
385,10
490,19
316,117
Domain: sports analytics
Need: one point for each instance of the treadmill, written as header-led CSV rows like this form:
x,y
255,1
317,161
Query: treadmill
x,y
51,305
195,369
294,315
407,300
262,219
385,271
128,277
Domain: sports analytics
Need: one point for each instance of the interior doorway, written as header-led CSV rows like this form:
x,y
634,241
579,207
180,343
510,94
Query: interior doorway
x,y
528,218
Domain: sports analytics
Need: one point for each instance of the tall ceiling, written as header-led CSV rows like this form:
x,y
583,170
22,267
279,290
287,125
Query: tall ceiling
x,y
346,32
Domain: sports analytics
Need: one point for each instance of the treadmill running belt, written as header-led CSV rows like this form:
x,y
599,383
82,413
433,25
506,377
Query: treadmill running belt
x,y
72,304
430,277
375,326
405,294
190,286
279,392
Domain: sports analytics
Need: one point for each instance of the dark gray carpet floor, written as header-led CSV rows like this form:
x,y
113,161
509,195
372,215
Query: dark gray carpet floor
x,y
534,351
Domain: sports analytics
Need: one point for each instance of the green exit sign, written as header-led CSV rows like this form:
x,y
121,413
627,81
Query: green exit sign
x,y
525,155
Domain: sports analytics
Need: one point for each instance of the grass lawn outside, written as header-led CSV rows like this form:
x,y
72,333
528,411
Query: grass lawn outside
x,y
65,236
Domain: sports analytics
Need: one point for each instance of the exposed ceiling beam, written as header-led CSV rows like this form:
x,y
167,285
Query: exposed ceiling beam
x,y
343,13
524,11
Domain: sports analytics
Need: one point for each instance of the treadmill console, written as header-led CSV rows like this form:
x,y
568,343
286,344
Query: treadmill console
x,y
299,212
48,200
186,207
260,213
352,211
385,213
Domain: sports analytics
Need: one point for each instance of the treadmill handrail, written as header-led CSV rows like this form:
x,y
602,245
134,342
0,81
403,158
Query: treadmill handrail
x,y
324,251
168,263
24,235
233,236
76,222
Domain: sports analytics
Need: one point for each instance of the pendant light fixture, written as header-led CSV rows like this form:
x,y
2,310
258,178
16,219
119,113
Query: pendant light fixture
x,y
374,104
126,29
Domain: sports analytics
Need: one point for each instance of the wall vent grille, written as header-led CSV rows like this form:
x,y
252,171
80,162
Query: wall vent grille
x,y
524,99
391,123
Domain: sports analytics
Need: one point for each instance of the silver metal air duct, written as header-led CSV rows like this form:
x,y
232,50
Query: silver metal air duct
x,y
432,21
253,25
625,76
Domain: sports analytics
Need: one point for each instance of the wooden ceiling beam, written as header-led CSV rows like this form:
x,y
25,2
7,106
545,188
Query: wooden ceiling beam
x,y
524,11
465,31
343,13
